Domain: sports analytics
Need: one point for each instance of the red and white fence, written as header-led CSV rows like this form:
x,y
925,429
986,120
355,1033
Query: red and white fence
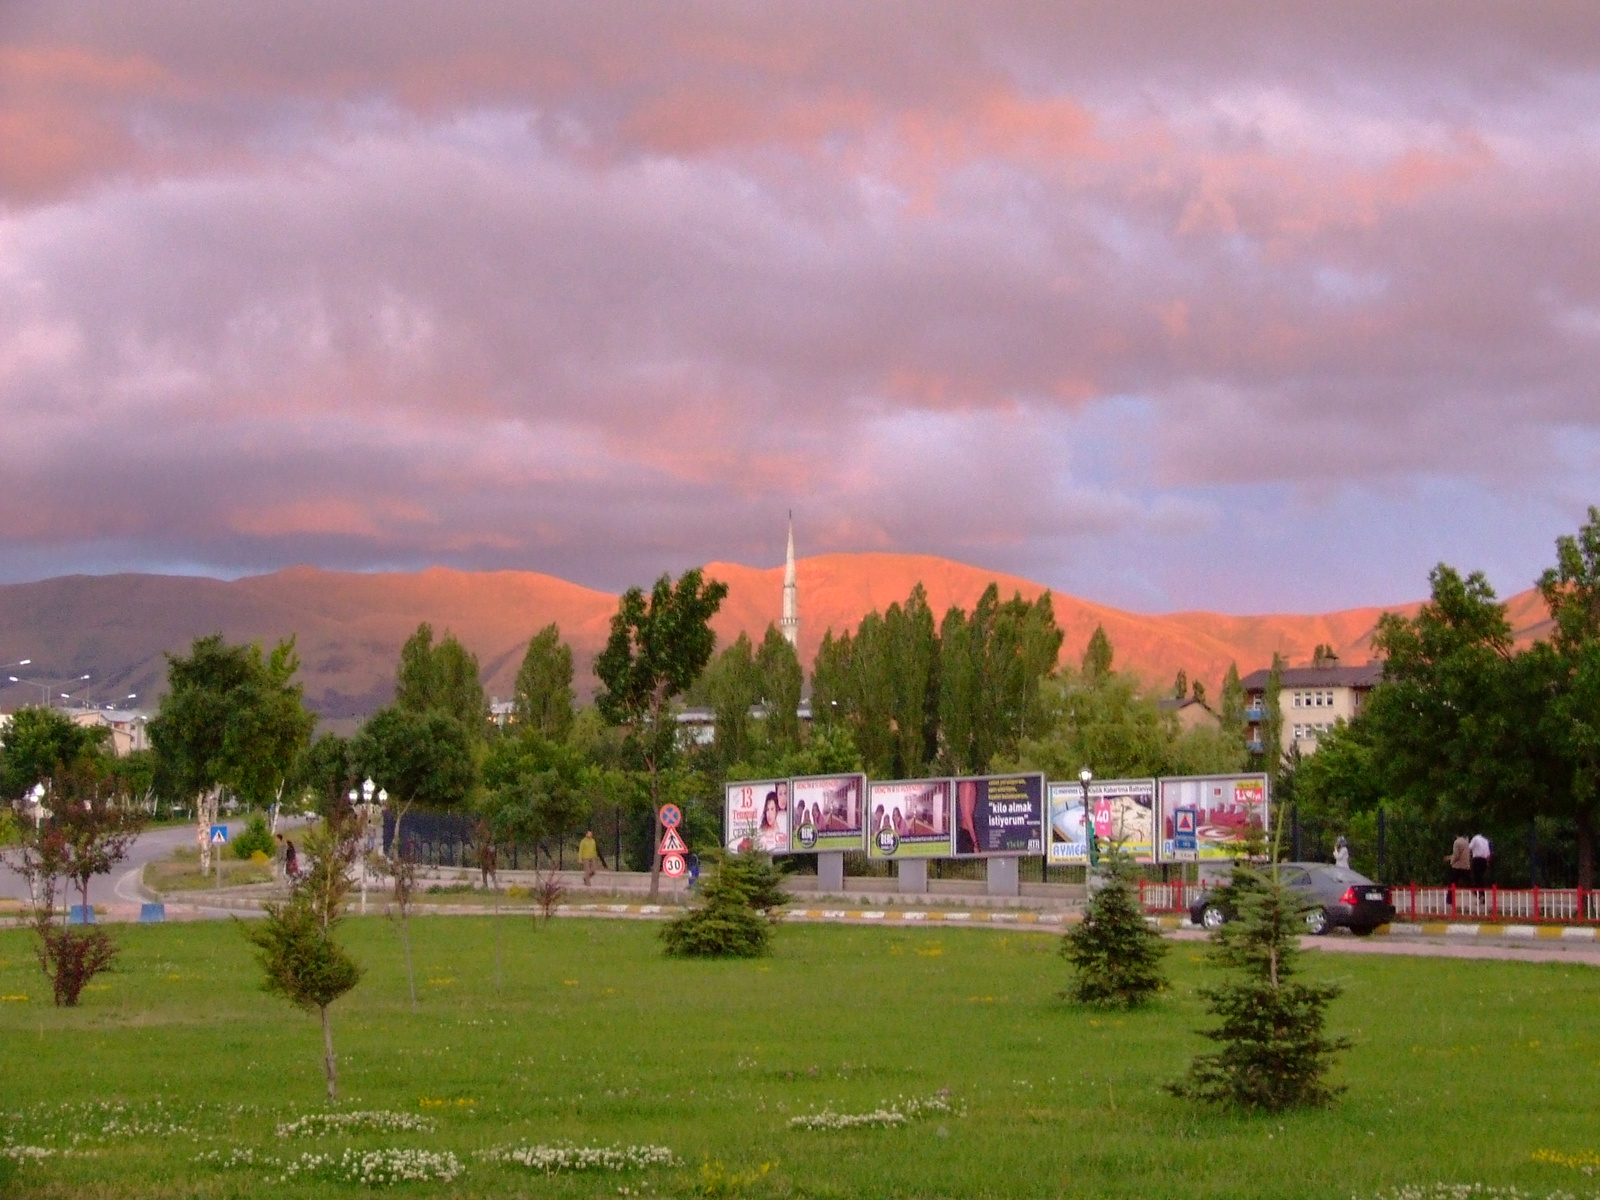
x,y
1420,902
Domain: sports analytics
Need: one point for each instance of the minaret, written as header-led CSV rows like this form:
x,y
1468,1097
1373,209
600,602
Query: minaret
x,y
789,625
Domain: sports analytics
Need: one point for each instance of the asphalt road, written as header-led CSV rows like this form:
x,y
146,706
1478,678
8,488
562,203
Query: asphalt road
x,y
122,885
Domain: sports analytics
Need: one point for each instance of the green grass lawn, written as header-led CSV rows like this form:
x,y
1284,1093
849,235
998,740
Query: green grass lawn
x,y
585,1034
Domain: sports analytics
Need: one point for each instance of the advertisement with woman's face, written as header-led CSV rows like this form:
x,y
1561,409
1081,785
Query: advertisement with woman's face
x,y
829,812
909,819
757,816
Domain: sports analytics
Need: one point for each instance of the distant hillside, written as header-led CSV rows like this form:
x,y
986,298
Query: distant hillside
x,y
350,626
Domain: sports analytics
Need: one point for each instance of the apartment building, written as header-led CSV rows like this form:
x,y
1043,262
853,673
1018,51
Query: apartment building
x,y
1310,701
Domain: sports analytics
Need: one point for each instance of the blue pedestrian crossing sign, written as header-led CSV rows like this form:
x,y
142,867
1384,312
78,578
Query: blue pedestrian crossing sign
x,y
1184,845
219,835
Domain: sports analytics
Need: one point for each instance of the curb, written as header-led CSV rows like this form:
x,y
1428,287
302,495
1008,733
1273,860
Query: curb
x,y
863,915
1453,929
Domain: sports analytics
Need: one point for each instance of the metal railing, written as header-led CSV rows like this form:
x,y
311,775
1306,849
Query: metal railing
x,y
1419,902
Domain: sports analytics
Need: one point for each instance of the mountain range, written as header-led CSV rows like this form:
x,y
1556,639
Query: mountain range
x,y
116,628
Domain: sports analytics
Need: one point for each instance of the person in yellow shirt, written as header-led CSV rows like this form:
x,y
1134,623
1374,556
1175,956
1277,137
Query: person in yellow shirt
x,y
588,857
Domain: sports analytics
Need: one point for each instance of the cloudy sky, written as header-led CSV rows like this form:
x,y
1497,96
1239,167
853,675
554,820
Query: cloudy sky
x,y
1244,306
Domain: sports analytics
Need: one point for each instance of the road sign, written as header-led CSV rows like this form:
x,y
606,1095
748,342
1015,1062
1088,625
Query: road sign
x,y
674,865
1184,845
673,843
671,816
219,835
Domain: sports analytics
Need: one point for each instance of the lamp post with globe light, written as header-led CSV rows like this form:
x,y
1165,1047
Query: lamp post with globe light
x,y
1090,841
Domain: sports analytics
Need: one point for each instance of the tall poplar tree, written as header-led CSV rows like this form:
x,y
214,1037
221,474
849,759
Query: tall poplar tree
x,y
657,647
543,694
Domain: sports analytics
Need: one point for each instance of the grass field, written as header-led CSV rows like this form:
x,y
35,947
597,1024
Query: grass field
x,y
1462,1072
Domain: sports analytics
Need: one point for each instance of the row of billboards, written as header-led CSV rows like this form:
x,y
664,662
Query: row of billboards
x,y
1195,818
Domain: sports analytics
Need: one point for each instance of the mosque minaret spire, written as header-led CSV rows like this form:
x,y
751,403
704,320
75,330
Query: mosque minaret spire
x,y
789,625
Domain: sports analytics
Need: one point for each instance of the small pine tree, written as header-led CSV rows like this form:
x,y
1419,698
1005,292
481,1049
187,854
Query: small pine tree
x,y
1115,953
294,942
726,923
1275,1053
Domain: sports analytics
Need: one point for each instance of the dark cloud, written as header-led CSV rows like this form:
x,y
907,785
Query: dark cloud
x,y
601,289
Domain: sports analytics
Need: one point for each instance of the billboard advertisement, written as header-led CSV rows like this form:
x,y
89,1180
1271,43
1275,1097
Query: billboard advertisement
x,y
999,815
828,813
909,818
1125,810
756,816
1066,839
1226,810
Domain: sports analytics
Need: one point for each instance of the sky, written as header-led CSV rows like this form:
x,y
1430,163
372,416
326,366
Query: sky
x,y
1231,305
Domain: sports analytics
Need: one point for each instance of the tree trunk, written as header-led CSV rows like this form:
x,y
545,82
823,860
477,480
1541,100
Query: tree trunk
x,y
1585,823
655,836
328,1063
405,938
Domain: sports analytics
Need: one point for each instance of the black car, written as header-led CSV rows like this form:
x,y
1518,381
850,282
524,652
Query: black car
x,y
1337,895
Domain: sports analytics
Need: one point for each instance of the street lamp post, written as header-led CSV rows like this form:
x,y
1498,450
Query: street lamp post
x,y
364,814
1091,843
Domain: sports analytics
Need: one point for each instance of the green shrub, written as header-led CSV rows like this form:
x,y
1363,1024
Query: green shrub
x,y
255,837
1115,954
1274,1052
726,923
759,876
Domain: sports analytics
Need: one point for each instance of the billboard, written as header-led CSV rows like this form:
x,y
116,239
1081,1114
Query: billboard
x,y
1227,808
828,813
1066,840
1125,810
756,816
998,815
909,818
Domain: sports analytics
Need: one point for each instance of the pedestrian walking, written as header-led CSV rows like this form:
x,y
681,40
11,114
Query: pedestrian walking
x,y
588,857
1460,860
1480,853
1341,853
291,863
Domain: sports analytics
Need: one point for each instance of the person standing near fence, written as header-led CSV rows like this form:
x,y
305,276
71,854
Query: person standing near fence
x,y
1460,860
1481,853
588,857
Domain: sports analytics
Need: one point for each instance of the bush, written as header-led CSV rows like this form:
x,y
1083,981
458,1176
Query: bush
x,y
760,877
1114,952
71,956
1274,1053
726,923
256,836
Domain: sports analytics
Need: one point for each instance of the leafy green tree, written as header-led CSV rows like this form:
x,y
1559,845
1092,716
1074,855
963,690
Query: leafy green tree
x,y
1275,1053
442,678
232,719
657,647
41,743
1097,657
535,789
1232,720
544,696
295,942
731,686
778,667
1115,955
1107,725
422,759
1569,667
1271,755
326,772
990,667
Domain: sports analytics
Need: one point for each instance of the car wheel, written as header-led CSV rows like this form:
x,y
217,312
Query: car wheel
x,y
1317,921
1363,930
1213,917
